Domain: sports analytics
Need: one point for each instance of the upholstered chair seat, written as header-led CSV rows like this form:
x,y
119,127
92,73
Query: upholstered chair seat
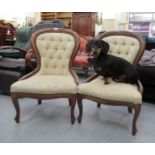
x,y
54,84
122,92
55,50
130,47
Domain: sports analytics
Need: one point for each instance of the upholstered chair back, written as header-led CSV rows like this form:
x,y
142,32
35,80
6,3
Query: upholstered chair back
x,y
55,50
124,44
23,35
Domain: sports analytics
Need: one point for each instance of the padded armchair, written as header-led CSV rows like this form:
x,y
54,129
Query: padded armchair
x,y
55,50
21,45
12,61
130,47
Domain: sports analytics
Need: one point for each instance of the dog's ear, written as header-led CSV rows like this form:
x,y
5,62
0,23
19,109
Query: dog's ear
x,y
89,45
105,46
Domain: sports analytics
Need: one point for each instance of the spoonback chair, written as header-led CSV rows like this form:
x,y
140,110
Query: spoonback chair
x,y
130,47
55,50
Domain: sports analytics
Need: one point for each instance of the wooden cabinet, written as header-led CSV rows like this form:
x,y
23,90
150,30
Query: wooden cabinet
x,y
84,23
81,22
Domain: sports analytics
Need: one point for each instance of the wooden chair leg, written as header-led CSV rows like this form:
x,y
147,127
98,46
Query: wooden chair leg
x,y
79,99
17,107
85,69
137,112
39,102
73,103
129,109
98,105
70,102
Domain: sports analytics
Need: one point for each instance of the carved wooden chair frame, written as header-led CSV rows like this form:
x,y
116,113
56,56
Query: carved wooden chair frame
x,y
71,97
136,107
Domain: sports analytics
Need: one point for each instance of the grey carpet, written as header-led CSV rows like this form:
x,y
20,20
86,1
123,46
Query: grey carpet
x,y
50,122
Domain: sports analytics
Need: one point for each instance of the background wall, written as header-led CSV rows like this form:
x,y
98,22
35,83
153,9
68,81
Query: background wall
x,y
110,20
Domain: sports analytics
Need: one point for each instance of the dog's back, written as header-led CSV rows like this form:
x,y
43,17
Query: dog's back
x,y
115,67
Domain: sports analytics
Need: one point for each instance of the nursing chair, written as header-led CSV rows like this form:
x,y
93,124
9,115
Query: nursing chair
x,y
130,47
55,50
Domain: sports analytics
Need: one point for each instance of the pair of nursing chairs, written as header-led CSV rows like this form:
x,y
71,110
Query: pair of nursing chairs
x,y
55,50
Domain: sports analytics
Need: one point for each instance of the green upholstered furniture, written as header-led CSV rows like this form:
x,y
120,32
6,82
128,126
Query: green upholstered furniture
x,y
21,45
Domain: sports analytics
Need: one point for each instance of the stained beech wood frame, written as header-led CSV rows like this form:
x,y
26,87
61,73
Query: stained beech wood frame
x,y
137,106
71,97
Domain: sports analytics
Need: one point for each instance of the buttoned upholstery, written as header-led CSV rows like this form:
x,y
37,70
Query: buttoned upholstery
x,y
123,46
126,45
119,91
55,50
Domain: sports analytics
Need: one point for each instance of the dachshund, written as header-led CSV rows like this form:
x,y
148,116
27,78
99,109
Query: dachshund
x,y
110,66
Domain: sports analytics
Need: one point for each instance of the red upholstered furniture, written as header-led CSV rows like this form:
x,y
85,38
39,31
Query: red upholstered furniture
x,y
81,60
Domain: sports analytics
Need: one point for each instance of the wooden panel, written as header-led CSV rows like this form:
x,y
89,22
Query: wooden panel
x,y
48,15
81,22
84,23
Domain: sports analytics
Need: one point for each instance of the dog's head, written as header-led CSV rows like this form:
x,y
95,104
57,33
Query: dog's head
x,y
97,48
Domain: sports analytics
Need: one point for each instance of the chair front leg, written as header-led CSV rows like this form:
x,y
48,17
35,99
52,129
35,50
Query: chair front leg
x,y
17,107
72,102
137,112
39,101
98,105
129,109
79,99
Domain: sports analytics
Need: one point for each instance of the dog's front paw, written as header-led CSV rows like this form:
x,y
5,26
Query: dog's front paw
x,y
106,81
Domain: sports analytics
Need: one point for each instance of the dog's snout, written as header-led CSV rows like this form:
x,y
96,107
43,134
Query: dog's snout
x,y
95,53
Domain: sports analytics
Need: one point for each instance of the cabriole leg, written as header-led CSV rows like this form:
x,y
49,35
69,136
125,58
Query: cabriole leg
x,y
17,107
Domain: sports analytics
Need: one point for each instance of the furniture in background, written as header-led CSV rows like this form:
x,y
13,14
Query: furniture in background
x,y
130,47
56,23
9,32
84,23
3,31
65,16
146,70
12,61
10,71
81,60
147,78
81,22
21,45
55,50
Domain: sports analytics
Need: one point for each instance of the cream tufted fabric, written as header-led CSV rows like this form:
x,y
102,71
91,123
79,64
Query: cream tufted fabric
x,y
46,84
123,46
55,51
117,91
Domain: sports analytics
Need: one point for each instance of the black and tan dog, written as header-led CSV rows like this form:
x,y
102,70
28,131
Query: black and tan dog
x,y
110,66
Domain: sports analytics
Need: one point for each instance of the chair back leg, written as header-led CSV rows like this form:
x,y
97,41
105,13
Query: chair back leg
x,y
80,105
72,102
